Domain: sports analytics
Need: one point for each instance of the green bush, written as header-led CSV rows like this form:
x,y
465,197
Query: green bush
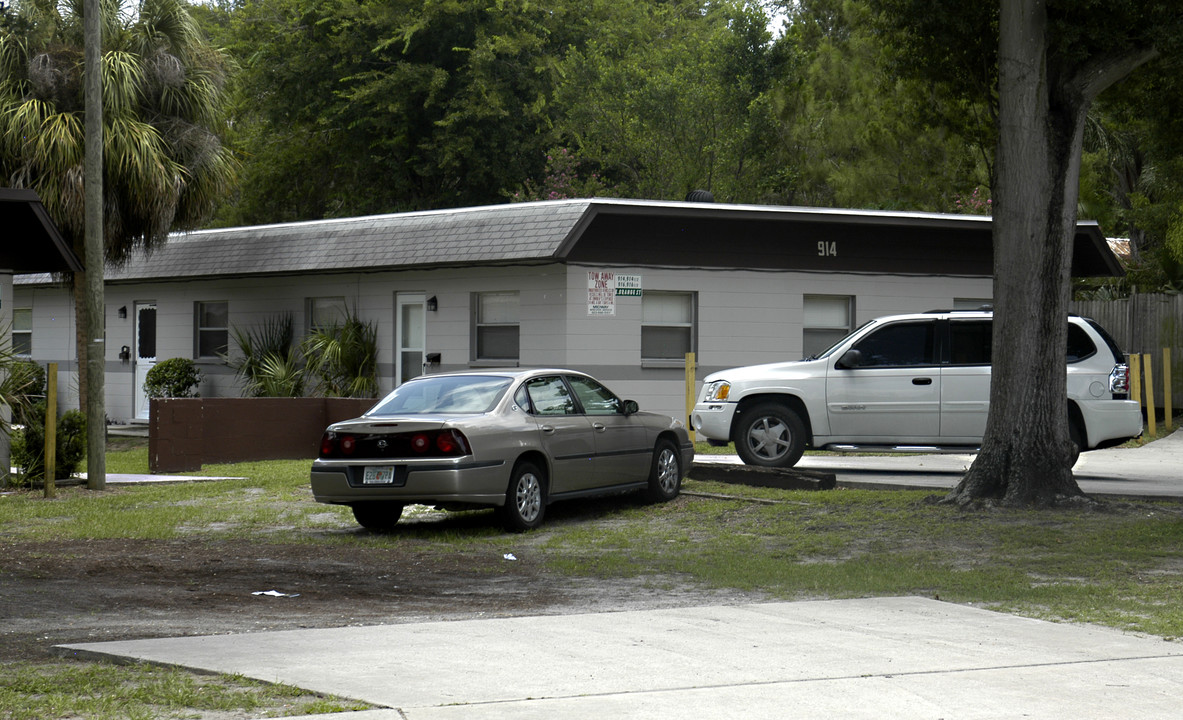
x,y
28,445
22,386
173,378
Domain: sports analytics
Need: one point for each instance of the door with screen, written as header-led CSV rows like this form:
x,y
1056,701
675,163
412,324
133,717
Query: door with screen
x,y
145,332
410,336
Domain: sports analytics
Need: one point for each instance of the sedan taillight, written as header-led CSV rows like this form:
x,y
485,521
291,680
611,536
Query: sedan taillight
x,y
430,443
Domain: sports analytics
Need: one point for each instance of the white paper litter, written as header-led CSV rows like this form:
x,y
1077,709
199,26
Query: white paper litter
x,y
274,593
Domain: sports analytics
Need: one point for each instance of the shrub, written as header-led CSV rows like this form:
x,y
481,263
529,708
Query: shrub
x,y
28,445
173,378
22,386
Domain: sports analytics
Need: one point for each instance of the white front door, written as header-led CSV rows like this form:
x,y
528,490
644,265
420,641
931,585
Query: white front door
x,y
145,358
410,336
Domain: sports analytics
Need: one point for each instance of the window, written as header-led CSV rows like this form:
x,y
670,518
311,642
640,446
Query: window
x,y
594,397
970,342
22,331
324,312
667,325
898,345
212,329
549,396
827,320
496,326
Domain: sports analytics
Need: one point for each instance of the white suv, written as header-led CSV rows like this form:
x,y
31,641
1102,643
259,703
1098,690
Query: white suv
x,y
917,383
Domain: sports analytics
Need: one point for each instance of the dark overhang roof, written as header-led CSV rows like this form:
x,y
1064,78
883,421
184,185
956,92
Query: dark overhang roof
x,y
33,243
606,232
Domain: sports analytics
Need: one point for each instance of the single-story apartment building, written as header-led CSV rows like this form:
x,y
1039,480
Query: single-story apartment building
x,y
621,289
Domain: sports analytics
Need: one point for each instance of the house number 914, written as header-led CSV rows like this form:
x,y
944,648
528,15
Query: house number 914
x,y
827,249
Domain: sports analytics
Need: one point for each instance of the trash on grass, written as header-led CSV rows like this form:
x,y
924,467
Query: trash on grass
x,y
510,556
274,593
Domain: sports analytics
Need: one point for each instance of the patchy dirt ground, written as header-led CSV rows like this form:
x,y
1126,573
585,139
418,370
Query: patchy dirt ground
x,y
70,592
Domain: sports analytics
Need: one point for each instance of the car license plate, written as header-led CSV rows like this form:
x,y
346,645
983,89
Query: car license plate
x,y
378,475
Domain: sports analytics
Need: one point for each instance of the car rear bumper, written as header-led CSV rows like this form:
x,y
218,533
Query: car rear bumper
x,y
339,482
1108,422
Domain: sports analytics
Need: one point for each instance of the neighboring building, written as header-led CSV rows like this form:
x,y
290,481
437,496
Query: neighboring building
x,y
622,289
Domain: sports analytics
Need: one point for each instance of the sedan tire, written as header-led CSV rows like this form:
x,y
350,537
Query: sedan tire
x,y
525,500
377,516
665,475
770,435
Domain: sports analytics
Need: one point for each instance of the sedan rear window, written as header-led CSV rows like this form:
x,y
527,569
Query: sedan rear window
x,y
445,394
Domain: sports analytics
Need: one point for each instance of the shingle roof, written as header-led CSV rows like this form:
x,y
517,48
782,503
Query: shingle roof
x,y
493,234
598,231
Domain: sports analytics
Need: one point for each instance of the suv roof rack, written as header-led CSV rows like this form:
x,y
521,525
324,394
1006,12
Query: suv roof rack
x,y
980,308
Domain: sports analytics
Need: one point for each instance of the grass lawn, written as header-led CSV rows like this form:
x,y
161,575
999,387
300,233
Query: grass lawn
x,y
1117,564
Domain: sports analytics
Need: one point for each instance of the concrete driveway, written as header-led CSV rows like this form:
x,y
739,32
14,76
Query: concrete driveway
x,y
904,657
872,658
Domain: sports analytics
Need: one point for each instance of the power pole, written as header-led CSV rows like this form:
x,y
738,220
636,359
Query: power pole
x,y
96,356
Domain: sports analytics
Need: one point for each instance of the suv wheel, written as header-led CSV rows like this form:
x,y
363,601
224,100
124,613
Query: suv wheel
x,y
771,435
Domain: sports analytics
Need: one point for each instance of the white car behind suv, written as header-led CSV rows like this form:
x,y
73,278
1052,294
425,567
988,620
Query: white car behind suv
x,y
916,382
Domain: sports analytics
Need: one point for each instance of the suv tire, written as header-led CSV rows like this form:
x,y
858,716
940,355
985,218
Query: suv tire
x,y
770,435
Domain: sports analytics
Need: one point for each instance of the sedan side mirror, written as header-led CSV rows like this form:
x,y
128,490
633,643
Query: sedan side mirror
x,y
850,359
630,407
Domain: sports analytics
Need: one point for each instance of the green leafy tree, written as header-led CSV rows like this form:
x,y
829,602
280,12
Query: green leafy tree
x,y
366,106
854,132
165,167
666,98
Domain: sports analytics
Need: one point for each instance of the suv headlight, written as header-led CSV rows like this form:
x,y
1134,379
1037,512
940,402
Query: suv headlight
x,y
717,391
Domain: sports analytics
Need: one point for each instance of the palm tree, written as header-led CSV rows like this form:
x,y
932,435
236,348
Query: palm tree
x,y
165,167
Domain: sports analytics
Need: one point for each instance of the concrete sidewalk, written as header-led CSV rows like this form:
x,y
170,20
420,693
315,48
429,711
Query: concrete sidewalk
x,y
1153,471
874,658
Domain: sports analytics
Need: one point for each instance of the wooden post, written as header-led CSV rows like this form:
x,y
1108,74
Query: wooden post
x,y
51,428
1151,419
691,371
1167,390
1136,377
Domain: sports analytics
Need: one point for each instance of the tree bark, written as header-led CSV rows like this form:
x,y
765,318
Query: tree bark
x,y
1026,454
95,356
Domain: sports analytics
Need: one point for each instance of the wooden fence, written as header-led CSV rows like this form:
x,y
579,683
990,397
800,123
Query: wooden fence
x,y
1145,324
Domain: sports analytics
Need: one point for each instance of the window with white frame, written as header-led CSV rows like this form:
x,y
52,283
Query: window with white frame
x,y
827,319
324,312
211,332
667,325
22,331
496,328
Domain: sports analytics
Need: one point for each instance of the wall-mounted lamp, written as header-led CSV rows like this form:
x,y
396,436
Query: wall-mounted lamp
x,y
123,313
432,304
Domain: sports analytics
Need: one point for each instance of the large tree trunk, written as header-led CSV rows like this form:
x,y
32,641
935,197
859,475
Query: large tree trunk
x,y
1026,455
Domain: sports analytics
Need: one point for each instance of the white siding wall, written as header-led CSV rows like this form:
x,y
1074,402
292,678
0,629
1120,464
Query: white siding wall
x,y
744,317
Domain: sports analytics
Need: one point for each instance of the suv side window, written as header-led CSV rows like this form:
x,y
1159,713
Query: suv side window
x,y
970,342
1080,345
898,345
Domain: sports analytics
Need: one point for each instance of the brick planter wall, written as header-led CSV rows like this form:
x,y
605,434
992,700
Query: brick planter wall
x,y
185,433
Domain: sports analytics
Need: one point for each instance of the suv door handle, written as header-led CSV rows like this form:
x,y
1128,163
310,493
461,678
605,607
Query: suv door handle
x,y
922,381
599,426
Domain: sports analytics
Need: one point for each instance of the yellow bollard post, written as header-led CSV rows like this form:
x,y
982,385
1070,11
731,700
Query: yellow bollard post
x,y
1151,419
1136,377
1167,390
51,422
691,370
